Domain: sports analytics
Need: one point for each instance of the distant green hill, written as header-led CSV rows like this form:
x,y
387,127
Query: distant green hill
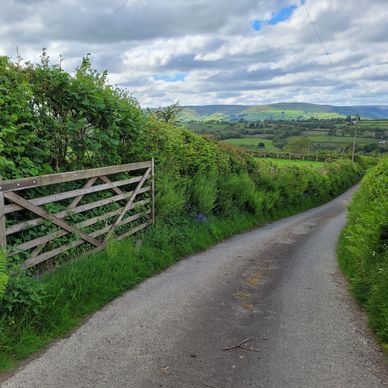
x,y
279,111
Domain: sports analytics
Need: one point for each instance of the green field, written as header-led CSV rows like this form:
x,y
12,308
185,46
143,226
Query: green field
x,y
341,140
251,143
287,162
367,124
322,142
258,113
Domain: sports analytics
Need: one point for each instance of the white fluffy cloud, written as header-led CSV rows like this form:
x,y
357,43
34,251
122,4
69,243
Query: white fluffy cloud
x,y
203,52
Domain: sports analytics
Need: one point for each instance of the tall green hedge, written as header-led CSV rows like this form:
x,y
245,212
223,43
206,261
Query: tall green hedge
x,y
363,248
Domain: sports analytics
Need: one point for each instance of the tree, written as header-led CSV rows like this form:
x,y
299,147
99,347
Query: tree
x,y
168,114
261,146
299,144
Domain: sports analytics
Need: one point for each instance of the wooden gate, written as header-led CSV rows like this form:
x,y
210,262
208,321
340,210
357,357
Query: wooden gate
x,y
122,202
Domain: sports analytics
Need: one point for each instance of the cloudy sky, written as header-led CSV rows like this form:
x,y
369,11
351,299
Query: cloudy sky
x,y
213,51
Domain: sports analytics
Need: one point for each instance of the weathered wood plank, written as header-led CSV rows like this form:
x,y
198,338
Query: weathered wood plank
x,y
72,193
73,204
50,217
9,187
45,180
55,252
130,201
79,209
48,255
105,179
77,199
134,217
60,233
134,230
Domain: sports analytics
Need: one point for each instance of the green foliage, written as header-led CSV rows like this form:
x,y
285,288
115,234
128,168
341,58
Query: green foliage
x,y
168,114
24,296
53,121
238,193
299,144
204,192
112,248
18,137
363,249
3,274
170,196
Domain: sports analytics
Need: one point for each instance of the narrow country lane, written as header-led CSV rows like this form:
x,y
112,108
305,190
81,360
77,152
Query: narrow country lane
x,y
278,286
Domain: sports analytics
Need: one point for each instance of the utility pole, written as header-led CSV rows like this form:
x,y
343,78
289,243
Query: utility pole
x,y
355,122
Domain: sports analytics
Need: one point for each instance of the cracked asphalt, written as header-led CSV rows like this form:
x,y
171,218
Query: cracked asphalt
x,y
278,285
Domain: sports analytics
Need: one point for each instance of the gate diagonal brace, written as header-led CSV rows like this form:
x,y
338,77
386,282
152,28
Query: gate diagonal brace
x,y
73,204
50,217
128,204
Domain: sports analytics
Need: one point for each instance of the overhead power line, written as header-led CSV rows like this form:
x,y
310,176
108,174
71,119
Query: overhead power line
x,y
333,68
319,37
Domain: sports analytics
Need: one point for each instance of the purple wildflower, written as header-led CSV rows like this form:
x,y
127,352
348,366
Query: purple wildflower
x,y
201,217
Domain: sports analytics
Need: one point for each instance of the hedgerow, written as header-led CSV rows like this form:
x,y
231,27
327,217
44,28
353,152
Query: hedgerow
x,y
363,247
52,121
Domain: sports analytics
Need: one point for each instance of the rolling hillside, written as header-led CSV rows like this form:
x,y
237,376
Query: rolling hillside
x,y
280,111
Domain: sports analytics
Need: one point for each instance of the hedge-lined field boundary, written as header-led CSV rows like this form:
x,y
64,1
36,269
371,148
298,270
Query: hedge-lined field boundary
x,y
363,248
205,191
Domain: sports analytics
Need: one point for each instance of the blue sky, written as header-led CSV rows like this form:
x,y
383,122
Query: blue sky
x,y
256,25
170,77
282,15
277,17
213,52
